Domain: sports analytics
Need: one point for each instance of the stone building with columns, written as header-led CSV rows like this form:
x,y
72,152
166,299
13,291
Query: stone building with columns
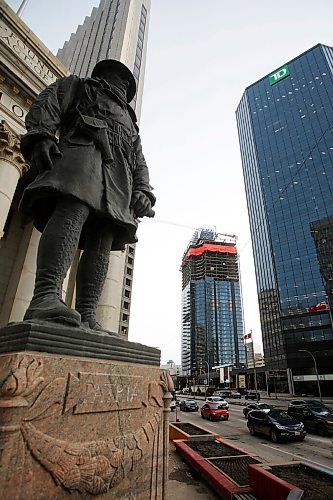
x,y
27,66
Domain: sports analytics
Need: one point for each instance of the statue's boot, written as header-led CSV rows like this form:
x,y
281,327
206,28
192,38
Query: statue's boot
x,y
51,308
91,275
56,251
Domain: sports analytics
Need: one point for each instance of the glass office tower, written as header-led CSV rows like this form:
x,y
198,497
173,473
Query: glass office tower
x,y
285,125
212,321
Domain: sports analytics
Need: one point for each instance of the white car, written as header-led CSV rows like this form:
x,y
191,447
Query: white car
x,y
219,400
173,404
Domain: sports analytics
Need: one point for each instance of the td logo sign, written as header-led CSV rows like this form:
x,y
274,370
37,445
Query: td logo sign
x,y
278,75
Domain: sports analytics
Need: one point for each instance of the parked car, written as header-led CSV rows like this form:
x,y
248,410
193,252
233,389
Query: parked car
x,y
276,424
304,402
214,411
174,402
217,399
256,406
173,405
189,405
314,415
252,395
224,393
235,395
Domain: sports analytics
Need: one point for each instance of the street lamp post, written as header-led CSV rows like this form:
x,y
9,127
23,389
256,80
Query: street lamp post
x,y
207,379
315,365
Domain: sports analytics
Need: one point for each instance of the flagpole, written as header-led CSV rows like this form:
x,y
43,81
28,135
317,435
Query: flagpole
x,y
21,7
246,360
254,368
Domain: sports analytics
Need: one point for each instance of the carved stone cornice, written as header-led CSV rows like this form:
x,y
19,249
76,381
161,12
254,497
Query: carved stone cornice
x,y
10,148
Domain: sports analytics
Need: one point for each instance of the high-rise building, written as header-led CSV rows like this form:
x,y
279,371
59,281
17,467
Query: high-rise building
x,y
286,139
212,319
116,29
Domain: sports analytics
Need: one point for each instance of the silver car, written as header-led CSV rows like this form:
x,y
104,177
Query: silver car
x,y
217,399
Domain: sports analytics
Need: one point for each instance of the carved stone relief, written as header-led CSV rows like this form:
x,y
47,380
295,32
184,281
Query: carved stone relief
x,y
9,39
20,381
89,467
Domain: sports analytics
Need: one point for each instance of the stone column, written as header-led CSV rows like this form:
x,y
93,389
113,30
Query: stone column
x,y
109,306
26,282
167,386
12,167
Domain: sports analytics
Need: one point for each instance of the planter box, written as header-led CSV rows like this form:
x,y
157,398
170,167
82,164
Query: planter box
x,y
184,430
222,465
262,482
298,479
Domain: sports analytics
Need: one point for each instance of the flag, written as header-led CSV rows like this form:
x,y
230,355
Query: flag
x,y
319,307
247,336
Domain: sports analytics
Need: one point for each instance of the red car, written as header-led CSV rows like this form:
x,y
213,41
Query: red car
x,y
214,411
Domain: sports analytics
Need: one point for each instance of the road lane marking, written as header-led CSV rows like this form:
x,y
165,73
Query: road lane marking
x,y
312,438
298,456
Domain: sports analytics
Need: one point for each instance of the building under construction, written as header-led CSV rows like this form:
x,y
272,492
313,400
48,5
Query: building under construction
x,y
212,319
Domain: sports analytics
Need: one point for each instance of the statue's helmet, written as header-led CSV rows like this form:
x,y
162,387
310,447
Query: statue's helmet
x,y
120,68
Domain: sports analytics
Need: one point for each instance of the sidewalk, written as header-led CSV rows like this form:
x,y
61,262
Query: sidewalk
x,y
183,483
263,396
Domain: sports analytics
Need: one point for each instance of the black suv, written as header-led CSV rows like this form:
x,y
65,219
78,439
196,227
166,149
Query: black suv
x,y
256,406
314,415
276,424
189,405
252,395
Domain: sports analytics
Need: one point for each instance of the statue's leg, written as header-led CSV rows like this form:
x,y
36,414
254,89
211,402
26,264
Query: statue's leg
x,y
56,251
92,271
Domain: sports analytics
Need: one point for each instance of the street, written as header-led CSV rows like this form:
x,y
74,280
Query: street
x,y
314,449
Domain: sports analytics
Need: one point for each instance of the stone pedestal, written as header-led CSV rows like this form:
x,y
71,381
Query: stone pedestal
x,y
81,415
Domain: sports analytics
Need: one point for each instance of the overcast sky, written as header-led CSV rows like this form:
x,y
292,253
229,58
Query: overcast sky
x,y
202,54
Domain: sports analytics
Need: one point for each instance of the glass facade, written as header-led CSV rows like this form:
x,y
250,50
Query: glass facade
x,y
286,141
212,321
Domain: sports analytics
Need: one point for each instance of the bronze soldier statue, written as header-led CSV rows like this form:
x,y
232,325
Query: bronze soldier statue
x,y
91,186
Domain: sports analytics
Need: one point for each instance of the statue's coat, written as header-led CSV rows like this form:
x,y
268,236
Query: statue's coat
x,y
106,187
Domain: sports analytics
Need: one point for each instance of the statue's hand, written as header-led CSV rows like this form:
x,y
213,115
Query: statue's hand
x,y
141,205
44,153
